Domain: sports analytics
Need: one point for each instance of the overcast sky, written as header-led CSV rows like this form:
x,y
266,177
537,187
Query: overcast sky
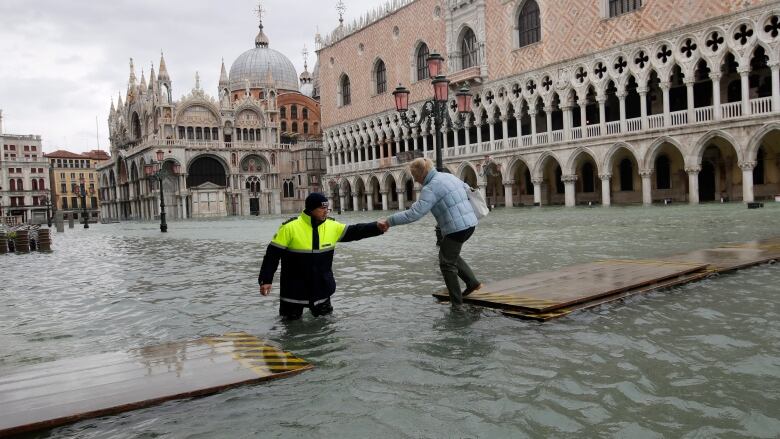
x,y
61,61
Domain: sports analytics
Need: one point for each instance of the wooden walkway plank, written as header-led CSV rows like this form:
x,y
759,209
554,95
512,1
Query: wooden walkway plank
x,y
60,392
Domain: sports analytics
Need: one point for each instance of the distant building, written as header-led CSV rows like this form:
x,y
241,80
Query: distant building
x,y
68,170
577,101
24,177
254,149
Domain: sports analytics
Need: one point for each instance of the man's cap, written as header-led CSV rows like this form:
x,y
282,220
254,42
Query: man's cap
x,y
315,200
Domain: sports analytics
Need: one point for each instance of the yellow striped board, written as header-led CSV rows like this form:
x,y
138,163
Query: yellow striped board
x,y
553,290
51,394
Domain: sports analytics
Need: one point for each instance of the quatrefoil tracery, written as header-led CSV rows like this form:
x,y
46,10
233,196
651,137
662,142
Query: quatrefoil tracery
x,y
664,54
600,70
743,34
581,75
715,41
620,64
688,48
773,26
641,59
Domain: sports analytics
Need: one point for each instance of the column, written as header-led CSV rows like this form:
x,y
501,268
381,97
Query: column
x,y
602,114
519,123
370,201
417,191
548,113
622,100
693,183
567,122
606,182
384,201
467,128
330,201
775,86
343,203
643,106
744,73
504,128
747,181
532,115
647,187
401,200
425,142
355,203
415,139
665,89
583,117
492,130
569,189
537,190
689,90
715,77
479,132
181,206
508,202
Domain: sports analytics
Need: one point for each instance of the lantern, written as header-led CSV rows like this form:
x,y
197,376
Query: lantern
x,y
441,88
401,95
160,155
435,62
463,98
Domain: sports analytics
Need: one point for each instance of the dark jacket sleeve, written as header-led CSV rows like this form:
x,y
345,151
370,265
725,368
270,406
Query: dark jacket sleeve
x,y
270,263
356,232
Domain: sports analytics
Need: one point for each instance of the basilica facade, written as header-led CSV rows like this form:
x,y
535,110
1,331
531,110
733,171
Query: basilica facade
x,y
254,148
600,101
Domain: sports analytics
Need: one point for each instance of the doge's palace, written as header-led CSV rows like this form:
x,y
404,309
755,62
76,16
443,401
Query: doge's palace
x,y
600,101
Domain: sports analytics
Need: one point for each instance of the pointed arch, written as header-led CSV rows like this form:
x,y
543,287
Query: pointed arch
x,y
570,167
694,158
652,151
606,162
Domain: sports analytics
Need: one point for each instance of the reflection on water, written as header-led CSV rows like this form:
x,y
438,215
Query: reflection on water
x,y
696,361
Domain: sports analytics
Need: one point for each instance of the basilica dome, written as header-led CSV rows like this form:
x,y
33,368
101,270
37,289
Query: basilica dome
x,y
254,66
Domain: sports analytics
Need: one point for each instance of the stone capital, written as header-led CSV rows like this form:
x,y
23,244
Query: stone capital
x,y
665,85
569,178
646,173
743,70
747,166
715,76
605,177
537,181
693,169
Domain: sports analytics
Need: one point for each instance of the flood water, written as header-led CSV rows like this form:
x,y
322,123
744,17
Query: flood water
x,y
696,361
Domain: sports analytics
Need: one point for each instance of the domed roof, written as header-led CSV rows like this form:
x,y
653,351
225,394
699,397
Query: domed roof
x,y
254,66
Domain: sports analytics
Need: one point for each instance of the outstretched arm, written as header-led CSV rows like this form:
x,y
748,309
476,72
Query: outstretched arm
x,y
356,232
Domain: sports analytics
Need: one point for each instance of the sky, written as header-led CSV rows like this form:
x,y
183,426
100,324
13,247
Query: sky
x,y
62,61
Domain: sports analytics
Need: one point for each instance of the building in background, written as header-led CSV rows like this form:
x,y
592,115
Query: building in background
x,y
67,171
246,151
24,178
583,101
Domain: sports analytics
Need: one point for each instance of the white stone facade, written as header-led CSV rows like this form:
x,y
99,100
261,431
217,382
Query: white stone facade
x,y
683,115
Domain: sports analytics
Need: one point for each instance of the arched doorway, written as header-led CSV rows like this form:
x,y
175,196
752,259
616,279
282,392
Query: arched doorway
x,y
207,180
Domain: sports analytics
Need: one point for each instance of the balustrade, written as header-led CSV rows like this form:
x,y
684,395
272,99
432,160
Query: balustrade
x,y
704,114
542,138
576,133
678,118
655,121
527,140
613,127
513,143
634,124
498,145
731,110
761,105
473,148
594,130
557,136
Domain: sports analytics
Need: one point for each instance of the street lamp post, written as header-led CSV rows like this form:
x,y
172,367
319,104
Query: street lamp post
x,y
83,190
47,202
435,109
156,170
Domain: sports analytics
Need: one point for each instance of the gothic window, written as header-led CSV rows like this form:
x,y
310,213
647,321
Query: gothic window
x,y
35,185
619,7
380,77
19,184
663,175
528,24
626,175
295,127
346,98
273,159
305,113
293,112
284,125
283,112
422,62
305,128
41,186
13,184
469,50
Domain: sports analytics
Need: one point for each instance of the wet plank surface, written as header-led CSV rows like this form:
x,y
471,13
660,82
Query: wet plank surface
x,y
731,257
50,394
547,291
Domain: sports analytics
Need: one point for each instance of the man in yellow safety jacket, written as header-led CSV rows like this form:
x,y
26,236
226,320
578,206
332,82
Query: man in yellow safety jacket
x,y
305,246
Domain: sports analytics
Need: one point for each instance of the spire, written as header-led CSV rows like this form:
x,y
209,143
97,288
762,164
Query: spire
x,y
120,104
113,110
260,40
223,77
131,82
305,75
341,7
163,75
197,80
152,79
142,86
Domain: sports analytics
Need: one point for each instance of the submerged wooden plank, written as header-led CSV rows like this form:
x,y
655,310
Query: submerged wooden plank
x,y
562,312
548,291
731,257
60,392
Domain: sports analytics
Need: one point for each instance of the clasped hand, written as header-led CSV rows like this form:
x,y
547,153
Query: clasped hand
x,y
383,225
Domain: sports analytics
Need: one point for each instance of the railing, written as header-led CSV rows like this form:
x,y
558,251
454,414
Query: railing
x,y
593,130
731,110
542,138
704,114
498,145
484,146
473,148
634,124
613,127
451,152
576,133
678,117
655,121
557,136
761,105
474,58
513,142
527,140
462,150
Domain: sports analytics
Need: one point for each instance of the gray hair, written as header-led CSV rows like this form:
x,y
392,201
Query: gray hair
x,y
420,167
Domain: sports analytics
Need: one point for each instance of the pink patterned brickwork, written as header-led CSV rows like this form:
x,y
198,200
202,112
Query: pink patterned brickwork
x,y
415,23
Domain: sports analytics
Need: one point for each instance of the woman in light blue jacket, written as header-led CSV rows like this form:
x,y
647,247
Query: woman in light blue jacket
x,y
446,197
